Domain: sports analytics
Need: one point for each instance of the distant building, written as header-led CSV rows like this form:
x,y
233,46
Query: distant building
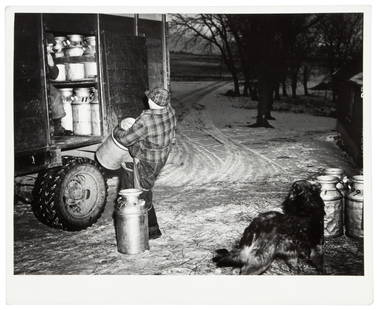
x,y
348,82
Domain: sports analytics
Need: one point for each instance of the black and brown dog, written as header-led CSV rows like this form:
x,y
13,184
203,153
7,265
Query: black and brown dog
x,y
298,232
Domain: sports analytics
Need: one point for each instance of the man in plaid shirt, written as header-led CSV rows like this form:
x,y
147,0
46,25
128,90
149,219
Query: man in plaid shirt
x,y
149,141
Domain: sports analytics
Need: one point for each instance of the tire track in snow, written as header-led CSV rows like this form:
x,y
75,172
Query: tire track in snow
x,y
225,159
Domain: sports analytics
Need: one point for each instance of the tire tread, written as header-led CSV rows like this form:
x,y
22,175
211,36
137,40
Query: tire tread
x,y
46,190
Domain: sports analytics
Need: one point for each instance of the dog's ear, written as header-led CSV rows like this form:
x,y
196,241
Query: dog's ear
x,y
316,187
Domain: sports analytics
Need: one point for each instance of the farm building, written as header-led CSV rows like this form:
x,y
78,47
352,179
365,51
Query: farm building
x,y
348,83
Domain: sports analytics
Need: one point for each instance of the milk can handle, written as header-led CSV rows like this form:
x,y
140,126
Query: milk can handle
x,y
346,183
341,194
119,199
68,99
91,96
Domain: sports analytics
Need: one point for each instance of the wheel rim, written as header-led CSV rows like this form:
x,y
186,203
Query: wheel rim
x,y
80,194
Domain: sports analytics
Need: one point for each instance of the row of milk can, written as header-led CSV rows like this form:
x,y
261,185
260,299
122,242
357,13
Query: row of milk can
x,y
76,71
82,110
344,203
74,45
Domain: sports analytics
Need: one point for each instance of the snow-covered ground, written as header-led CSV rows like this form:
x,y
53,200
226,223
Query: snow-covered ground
x,y
219,176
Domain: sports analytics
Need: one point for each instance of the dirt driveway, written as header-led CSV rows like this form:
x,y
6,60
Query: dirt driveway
x,y
219,176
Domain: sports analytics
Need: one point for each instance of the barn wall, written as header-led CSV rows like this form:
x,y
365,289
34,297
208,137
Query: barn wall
x,y
350,117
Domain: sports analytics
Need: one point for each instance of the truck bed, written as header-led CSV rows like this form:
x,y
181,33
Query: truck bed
x,y
70,142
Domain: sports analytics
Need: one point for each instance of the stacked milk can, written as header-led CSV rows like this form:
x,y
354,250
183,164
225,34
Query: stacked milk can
x,y
75,60
344,203
75,45
82,110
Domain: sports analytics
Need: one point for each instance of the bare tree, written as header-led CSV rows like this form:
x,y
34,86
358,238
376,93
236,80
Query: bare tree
x,y
341,37
263,45
236,24
301,40
213,28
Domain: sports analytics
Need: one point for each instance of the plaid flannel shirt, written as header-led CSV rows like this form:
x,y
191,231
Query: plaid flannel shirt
x,y
151,135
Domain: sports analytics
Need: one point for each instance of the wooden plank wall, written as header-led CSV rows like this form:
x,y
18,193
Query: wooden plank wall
x,y
349,107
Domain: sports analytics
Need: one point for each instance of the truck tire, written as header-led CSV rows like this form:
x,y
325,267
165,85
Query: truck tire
x,y
70,197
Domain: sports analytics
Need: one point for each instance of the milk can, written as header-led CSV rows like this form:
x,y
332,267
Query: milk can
x,y
81,112
131,222
62,73
59,46
341,185
75,39
74,45
76,71
83,94
339,173
74,51
90,69
95,114
90,46
111,154
332,198
354,214
67,97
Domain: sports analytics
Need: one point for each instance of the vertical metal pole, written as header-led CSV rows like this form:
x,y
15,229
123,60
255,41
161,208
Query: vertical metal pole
x,y
101,80
164,53
167,58
46,86
136,25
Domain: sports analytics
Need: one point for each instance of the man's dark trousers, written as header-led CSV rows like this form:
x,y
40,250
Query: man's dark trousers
x,y
148,172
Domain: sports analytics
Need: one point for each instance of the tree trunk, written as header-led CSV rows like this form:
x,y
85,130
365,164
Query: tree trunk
x,y
277,91
270,101
228,61
254,92
305,80
236,86
294,83
246,88
333,94
236,83
284,87
266,88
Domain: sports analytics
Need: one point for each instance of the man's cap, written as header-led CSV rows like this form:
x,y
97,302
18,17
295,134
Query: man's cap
x,y
159,96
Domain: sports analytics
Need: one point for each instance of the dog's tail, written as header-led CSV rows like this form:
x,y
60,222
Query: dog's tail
x,y
252,259
224,258
258,257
